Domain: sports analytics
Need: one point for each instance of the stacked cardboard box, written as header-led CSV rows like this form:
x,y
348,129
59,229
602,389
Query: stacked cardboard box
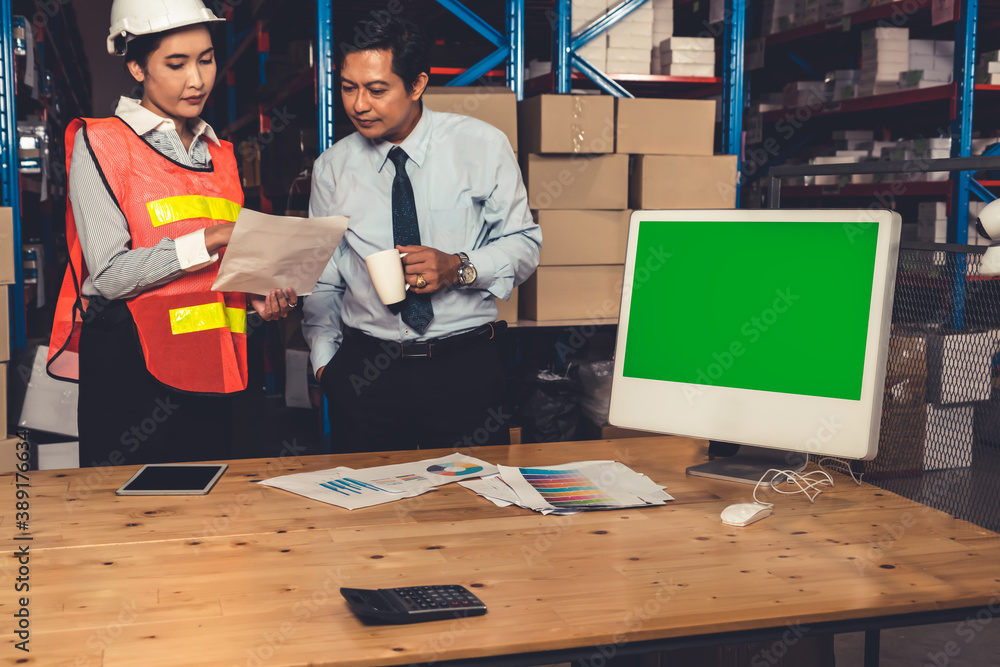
x,y
904,408
496,106
629,40
805,94
7,277
807,11
672,145
578,193
935,382
928,68
777,15
885,52
595,51
932,222
988,69
687,56
843,84
663,28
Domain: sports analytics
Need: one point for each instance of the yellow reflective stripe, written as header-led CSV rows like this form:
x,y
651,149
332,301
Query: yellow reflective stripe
x,y
237,320
187,207
209,316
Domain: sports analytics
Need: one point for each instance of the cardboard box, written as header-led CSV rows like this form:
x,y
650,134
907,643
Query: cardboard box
x,y
572,293
948,443
665,127
507,310
567,124
494,105
8,454
904,413
576,181
959,366
668,181
3,397
7,276
4,326
583,237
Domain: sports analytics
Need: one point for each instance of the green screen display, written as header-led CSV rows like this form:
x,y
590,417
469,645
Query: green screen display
x,y
769,306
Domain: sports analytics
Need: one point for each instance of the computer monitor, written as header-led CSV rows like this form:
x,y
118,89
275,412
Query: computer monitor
x,y
764,328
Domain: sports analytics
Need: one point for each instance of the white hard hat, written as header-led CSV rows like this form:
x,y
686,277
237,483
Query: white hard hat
x,y
131,18
988,225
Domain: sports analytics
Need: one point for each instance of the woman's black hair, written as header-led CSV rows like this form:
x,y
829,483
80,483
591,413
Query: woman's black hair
x,y
405,40
142,47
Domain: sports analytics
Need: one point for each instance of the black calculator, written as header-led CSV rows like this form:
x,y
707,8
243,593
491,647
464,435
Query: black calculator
x,y
412,604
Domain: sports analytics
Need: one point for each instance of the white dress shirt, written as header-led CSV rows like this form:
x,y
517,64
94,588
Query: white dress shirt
x,y
469,197
116,270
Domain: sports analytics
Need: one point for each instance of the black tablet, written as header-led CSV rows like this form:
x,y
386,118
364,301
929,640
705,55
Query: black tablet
x,y
173,479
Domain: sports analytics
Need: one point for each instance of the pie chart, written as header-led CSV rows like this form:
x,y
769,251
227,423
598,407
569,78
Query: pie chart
x,y
455,469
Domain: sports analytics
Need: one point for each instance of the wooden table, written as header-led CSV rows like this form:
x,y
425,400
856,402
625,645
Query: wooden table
x,y
250,575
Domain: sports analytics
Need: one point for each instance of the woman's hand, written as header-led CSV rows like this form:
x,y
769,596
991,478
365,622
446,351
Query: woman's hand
x,y
218,236
275,305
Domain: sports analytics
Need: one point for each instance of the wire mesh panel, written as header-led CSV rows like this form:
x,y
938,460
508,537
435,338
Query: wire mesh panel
x,y
940,435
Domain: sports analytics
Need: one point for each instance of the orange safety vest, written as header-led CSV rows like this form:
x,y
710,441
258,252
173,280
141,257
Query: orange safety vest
x,y
193,339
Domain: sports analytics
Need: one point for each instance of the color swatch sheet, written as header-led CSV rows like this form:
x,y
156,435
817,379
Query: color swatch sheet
x,y
353,489
571,487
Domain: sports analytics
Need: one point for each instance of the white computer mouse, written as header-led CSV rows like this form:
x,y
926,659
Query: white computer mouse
x,y
743,514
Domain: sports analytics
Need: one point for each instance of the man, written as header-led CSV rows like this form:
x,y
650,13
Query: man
x,y
445,190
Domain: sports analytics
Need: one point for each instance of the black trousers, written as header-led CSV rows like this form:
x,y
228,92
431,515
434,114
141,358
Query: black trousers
x,y
381,401
125,416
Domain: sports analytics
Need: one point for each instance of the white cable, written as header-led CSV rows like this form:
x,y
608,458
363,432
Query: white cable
x,y
804,483
841,466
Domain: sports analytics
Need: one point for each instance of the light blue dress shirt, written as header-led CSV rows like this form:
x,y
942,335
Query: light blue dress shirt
x,y
470,198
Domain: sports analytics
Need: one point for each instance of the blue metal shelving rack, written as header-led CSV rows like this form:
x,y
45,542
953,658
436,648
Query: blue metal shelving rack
x,y
509,50
10,178
566,58
963,185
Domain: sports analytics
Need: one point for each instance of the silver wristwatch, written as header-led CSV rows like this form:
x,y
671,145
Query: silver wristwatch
x,y
466,271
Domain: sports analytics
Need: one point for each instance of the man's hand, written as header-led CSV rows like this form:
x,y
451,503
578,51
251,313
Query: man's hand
x,y
439,269
218,236
275,305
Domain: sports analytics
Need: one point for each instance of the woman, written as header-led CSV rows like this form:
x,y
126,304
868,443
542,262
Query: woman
x,y
154,196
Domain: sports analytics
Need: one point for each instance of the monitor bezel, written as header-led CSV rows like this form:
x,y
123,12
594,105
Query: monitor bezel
x,y
819,425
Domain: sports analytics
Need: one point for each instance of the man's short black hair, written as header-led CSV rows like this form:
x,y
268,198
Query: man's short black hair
x,y
405,40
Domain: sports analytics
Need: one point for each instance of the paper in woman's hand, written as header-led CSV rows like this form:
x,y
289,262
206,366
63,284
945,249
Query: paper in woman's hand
x,y
270,252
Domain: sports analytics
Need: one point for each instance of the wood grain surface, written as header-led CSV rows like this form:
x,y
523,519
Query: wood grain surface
x,y
250,575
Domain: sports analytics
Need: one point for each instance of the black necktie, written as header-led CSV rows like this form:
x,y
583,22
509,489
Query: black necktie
x,y
416,310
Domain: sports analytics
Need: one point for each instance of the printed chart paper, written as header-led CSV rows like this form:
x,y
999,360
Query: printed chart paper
x,y
571,487
270,252
353,489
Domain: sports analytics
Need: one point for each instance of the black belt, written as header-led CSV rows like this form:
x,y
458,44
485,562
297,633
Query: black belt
x,y
434,347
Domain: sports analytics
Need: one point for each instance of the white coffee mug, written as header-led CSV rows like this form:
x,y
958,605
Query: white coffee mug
x,y
386,269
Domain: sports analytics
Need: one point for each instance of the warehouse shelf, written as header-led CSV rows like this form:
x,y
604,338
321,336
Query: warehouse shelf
x,y
869,190
921,8
953,103
565,59
641,85
887,101
303,81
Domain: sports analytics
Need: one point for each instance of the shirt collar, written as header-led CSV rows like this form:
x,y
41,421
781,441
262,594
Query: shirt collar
x,y
415,145
143,121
